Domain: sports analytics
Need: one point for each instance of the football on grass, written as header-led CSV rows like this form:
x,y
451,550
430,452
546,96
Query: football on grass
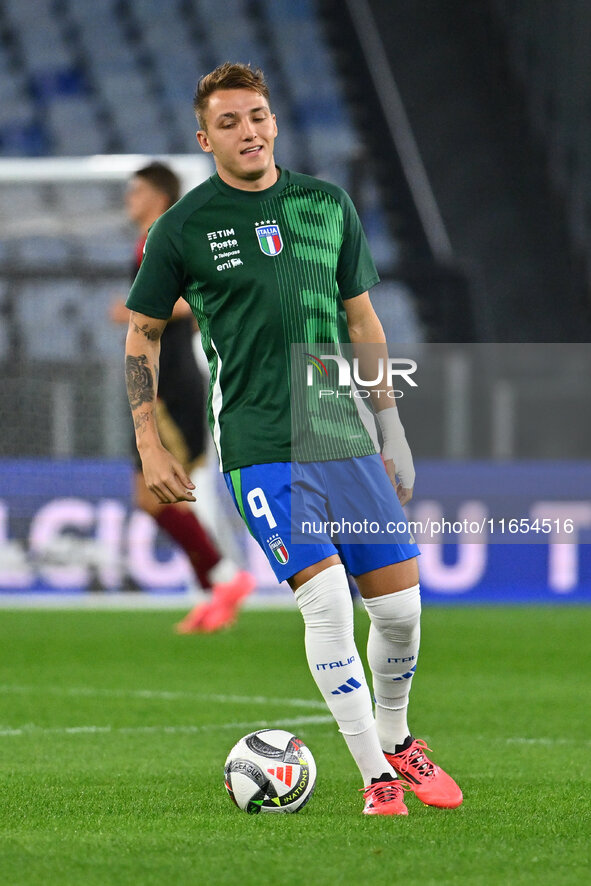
x,y
270,771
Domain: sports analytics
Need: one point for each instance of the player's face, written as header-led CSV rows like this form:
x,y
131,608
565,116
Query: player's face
x,y
240,134
143,201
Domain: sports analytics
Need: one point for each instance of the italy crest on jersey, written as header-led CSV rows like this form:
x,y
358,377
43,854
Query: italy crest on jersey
x,y
269,239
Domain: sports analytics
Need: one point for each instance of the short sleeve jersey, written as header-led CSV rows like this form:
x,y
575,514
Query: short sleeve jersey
x,y
262,271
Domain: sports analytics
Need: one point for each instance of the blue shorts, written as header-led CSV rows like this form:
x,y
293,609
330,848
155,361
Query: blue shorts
x,y
301,513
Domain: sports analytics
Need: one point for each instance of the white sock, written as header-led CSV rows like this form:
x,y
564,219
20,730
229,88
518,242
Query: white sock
x,y
333,659
366,750
223,571
392,652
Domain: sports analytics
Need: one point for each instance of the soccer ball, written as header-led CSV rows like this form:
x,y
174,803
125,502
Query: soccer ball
x,y
270,770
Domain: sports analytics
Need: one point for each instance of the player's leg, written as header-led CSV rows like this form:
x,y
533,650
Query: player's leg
x,y
392,599
178,521
384,563
226,583
323,597
263,496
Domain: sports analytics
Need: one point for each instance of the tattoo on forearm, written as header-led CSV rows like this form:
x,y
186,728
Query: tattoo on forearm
x,y
140,421
139,380
149,332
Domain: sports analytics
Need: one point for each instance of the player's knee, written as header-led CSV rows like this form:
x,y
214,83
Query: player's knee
x,y
325,602
397,616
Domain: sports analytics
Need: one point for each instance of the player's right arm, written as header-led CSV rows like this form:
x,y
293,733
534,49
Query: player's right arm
x,y
164,474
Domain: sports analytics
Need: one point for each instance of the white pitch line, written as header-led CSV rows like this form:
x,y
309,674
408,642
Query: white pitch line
x,y
550,742
31,729
163,695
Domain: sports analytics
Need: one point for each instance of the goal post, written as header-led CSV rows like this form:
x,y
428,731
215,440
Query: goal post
x,y
100,168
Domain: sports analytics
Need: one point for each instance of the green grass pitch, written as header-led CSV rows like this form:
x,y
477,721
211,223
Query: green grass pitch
x,y
114,732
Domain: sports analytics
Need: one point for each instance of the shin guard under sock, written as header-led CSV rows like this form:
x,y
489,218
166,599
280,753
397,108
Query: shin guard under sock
x,y
392,653
325,604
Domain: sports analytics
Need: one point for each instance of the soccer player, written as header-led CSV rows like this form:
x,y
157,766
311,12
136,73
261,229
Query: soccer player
x,y
181,418
268,258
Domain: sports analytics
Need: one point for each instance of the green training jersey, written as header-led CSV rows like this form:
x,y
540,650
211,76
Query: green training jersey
x,y
262,271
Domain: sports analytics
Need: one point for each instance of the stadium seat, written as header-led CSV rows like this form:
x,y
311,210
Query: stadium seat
x,y
178,84
288,10
106,340
48,83
29,13
29,197
13,114
89,197
210,10
38,250
55,307
13,87
73,127
30,141
110,248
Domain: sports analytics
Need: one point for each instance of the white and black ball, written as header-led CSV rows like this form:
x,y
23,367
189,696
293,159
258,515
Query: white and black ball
x,y
270,770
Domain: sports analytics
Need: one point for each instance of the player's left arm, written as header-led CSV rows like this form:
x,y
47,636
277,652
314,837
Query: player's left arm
x,y
369,345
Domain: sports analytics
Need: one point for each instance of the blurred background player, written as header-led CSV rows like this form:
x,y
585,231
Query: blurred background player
x,y
181,417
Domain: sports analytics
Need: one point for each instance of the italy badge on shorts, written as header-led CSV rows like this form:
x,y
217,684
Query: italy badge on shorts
x,y
269,239
278,548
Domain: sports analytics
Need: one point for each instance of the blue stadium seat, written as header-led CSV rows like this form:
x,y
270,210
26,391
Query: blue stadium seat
x,y
289,10
82,198
74,317
29,197
12,110
232,10
107,340
53,82
55,307
73,127
124,88
23,138
29,13
40,40
179,82
13,86
43,250
108,248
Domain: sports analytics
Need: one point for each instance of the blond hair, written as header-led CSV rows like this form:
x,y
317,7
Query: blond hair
x,y
227,76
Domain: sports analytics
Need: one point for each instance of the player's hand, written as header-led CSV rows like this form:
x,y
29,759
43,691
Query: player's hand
x,y
396,454
166,478
404,494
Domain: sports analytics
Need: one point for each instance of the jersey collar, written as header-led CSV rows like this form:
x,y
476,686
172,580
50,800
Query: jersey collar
x,y
251,196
